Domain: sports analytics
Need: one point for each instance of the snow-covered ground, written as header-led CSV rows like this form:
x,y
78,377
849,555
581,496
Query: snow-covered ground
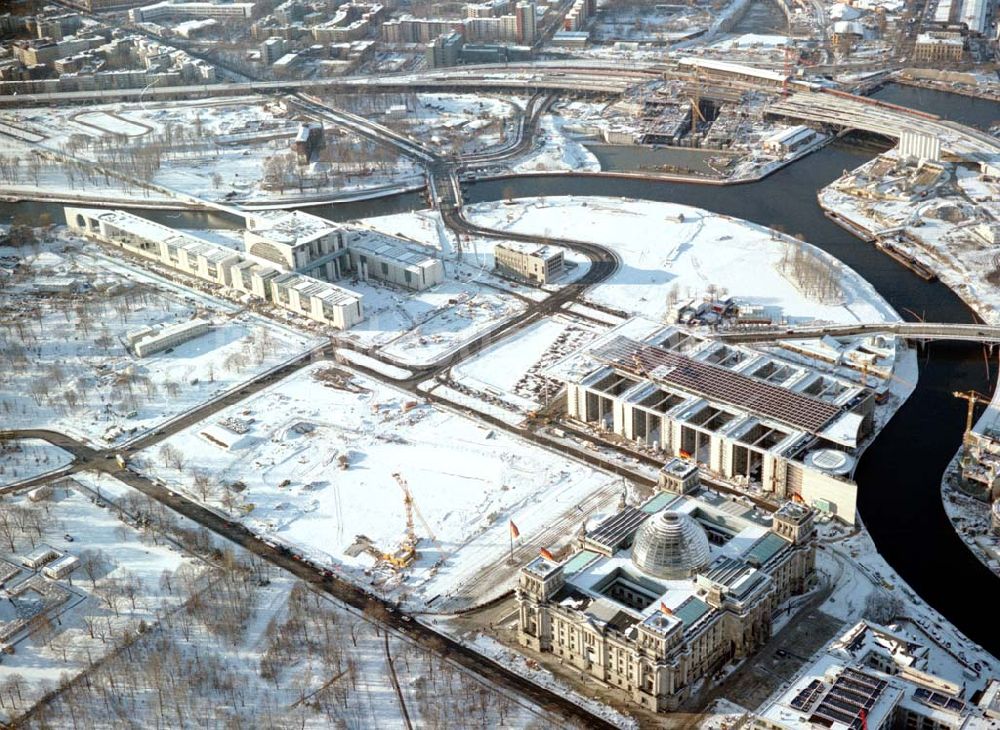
x,y
458,123
511,370
477,259
123,579
673,253
941,228
22,459
214,647
558,150
419,328
866,586
971,518
467,481
637,23
83,381
209,148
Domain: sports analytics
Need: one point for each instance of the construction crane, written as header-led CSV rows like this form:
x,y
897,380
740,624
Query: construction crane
x,y
789,69
407,552
972,397
695,101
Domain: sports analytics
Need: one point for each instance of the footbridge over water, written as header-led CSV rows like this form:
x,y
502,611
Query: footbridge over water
x,y
909,330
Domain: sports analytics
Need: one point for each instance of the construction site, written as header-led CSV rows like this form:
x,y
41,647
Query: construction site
x,y
393,492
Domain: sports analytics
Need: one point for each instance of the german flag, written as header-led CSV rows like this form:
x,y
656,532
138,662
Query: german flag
x,y
547,555
665,610
514,532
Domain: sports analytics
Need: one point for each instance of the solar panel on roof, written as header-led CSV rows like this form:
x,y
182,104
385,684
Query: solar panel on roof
x,y
612,531
717,383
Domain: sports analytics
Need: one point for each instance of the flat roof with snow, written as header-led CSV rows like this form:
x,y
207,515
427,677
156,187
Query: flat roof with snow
x,y
309,287
544,252
390,249
291,227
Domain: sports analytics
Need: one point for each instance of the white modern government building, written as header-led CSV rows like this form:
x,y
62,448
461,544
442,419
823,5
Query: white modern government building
x,y
662,595
290,258
746,415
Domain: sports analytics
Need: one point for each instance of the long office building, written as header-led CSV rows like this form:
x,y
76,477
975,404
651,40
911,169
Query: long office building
x,y
663,595
747,416
305,295
171,10
181,251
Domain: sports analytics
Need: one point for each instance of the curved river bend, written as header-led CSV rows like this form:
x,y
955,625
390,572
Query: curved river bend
x,y
899,475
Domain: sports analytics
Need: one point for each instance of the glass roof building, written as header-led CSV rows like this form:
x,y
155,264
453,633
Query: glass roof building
x,y
670,545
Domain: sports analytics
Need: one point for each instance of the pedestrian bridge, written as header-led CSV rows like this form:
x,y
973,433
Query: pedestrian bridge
x,y
908,330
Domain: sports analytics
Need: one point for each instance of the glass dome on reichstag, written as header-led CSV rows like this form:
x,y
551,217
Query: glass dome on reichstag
x,y
670,545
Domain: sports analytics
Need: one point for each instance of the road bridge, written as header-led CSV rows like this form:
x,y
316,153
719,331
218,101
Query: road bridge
x,y
364,127
570,77
909,330
848,111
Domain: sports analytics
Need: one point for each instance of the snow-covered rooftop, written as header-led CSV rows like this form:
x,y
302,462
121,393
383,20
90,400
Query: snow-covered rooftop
x,y
291,227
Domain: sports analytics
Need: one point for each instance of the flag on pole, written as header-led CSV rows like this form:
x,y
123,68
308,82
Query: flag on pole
x,y
664,609
546,554
864,719
514,532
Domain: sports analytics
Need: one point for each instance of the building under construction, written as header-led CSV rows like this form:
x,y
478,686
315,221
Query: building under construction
x,y
745,415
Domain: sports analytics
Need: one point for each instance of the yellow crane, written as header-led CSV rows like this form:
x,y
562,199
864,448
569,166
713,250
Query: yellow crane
x,y
972,397
411,509
407,552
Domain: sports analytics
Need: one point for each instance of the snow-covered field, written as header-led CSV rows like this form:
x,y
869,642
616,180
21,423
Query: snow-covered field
x,y
942,231
971,519
477,254
467,480
460,123
559,150
210,647
296,660
123,578
416,328
22,459
674,253
209,148
83,381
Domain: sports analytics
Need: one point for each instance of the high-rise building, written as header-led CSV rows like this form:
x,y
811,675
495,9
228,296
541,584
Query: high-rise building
x,y
527,22
444,50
